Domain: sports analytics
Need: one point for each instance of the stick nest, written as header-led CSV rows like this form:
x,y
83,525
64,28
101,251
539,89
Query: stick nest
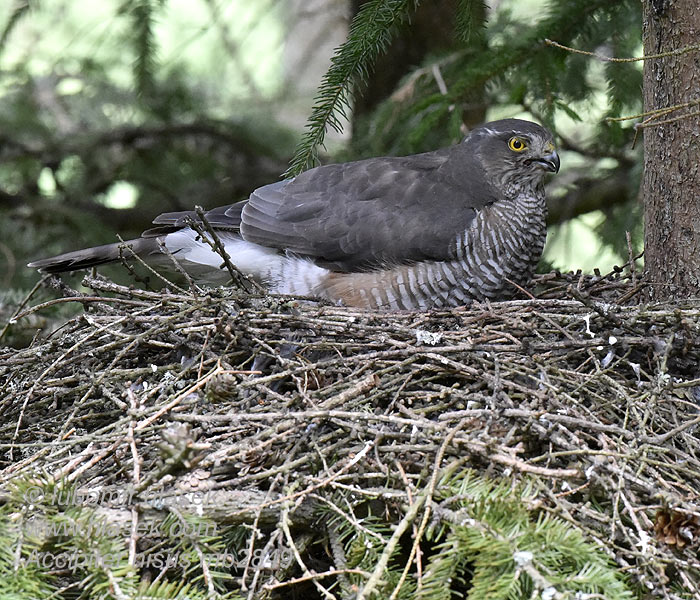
x,y
296,414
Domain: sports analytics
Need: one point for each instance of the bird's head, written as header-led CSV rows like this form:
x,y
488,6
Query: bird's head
x,y
515,154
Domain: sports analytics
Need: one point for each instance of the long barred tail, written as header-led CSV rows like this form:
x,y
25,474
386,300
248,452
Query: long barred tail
x,y
99,255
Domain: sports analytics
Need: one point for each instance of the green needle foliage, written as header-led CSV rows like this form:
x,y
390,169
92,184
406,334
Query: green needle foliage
x,y
19,581
44,532
363,548
485,542
143,17
370,33
467,27
489,536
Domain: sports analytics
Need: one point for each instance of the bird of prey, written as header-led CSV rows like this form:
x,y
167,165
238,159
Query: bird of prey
x,y
431,230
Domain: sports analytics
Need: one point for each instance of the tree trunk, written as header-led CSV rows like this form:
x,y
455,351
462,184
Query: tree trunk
x,y
672,150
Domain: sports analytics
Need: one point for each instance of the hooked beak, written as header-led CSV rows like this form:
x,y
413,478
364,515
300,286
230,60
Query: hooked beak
x,y
549,162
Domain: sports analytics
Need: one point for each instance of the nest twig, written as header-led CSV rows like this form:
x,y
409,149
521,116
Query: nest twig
x,y
280,405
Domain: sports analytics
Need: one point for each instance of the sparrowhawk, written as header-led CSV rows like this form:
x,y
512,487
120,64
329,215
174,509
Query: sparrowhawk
x,y
431,230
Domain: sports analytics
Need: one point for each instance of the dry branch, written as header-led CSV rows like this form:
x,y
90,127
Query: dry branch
x,y
281,407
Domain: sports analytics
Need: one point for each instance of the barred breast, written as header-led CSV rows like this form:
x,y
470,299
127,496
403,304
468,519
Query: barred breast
x,y
503,245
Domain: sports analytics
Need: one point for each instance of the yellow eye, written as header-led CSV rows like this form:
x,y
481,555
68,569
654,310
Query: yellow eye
x,y
517,144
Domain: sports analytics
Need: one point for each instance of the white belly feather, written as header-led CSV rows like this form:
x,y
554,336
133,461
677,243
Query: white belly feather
x,y
279,273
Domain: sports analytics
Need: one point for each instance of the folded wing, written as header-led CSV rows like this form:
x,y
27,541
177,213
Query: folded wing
x,y
372,213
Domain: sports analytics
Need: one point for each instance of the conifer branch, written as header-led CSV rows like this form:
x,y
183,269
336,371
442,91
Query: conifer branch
x,y
370,33
467,26
143,12
564,20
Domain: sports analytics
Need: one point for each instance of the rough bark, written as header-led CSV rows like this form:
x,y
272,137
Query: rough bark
x,y
672,150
